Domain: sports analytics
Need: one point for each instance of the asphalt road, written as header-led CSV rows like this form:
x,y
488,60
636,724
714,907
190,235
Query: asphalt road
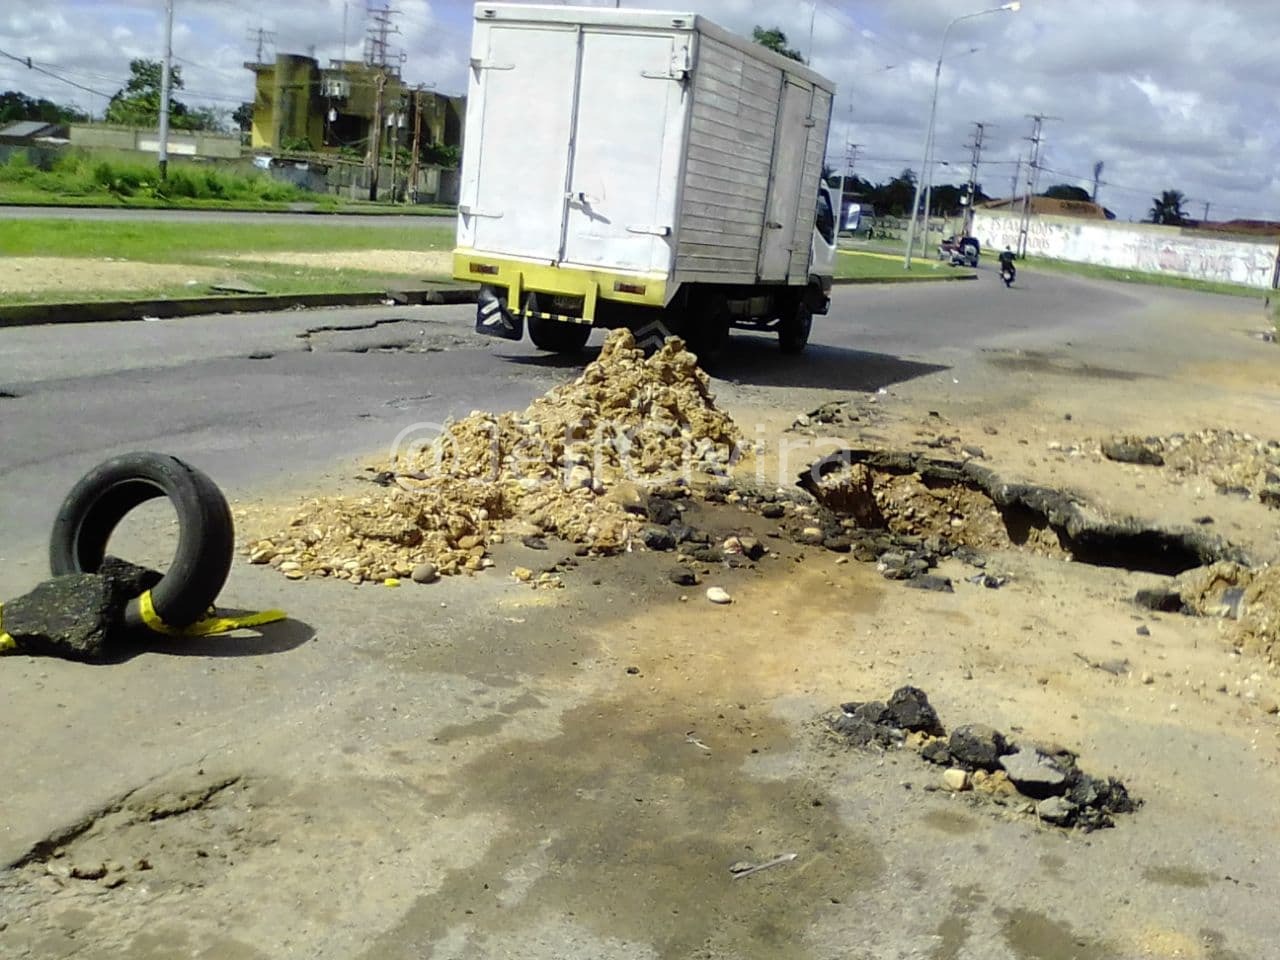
x,y
304,220
418,772
272,399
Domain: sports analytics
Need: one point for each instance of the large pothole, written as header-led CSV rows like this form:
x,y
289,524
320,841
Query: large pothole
x,y
969,505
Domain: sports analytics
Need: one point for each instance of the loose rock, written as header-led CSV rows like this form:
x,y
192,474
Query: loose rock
x,y
1133,450
682,576
931,582
425,573
910,709
719,595
1055,810
976,746
955,779
1033,774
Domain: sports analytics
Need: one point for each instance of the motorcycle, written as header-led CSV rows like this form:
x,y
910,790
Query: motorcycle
x,y
1007,273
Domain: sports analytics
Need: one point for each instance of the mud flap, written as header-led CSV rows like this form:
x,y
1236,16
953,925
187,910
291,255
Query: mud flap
x,y
651,336
493,319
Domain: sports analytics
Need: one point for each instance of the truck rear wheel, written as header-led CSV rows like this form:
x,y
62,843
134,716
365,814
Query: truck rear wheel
x,y
707,323
794,328
558,336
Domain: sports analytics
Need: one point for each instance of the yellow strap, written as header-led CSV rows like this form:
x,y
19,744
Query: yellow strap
x,y
7,642
207,627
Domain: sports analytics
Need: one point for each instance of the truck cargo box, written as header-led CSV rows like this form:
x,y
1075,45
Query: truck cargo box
x,y
635,151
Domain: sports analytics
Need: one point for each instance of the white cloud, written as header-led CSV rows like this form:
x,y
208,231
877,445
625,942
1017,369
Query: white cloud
x,y
1176,95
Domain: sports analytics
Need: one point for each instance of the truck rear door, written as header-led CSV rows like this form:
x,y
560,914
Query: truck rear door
x,y
515,201
625,158
785,180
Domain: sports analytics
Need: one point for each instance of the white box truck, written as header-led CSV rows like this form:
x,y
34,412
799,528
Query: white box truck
x,y
644,169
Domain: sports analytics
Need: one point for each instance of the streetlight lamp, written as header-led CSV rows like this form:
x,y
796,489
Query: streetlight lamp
x,y
925,172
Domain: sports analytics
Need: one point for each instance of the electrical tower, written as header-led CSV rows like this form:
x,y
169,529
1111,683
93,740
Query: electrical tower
x,y
262,38
1033,174
976,158
377,50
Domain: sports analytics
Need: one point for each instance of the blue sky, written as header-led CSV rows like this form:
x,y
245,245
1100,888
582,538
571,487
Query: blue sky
x,y
1174,95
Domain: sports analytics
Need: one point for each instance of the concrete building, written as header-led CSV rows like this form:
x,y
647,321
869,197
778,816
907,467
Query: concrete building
x,y
301,108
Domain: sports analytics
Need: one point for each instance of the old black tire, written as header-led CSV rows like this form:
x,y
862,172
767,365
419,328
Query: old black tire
x,y
206,534
558,336
794,328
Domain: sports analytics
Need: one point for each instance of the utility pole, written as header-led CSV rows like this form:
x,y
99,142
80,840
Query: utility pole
x,y
1033,173
165,70
346,4
417,143
375,134
1097,179
393,121
380,29
850,162
261,37
1206,212
976,146
1013,187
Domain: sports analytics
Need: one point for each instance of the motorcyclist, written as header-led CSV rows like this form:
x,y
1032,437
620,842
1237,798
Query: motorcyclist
x,y
1006,262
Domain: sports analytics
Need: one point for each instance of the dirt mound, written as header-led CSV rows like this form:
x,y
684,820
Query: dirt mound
x,y
551,468
1232,461
1250,597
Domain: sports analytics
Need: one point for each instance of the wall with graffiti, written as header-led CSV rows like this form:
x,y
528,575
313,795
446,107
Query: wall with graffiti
x,y
1131,246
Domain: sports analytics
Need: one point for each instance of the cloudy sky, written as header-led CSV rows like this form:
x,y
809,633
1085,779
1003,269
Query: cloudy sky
x,y
1179,94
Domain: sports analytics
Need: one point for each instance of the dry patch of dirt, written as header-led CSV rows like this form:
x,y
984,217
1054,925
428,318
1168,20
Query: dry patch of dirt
x,y
433,263
28,275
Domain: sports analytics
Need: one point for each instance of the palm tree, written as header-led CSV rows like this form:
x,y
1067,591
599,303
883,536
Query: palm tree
x,y
1167,208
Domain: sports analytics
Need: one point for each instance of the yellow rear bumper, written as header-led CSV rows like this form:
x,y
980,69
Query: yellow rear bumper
x,y
521,276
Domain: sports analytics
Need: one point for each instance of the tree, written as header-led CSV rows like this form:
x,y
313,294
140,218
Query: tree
x,y
242,117
775,40
1167,208
138,104
16,107
896,196
1065,191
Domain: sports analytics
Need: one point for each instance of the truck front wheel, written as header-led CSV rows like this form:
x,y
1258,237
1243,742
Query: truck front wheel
x,y
558,336
794,328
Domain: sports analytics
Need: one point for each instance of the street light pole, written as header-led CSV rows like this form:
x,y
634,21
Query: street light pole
x,y
166,69
933,114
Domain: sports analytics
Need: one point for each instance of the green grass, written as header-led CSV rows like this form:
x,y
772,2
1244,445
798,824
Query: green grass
x,y
161,242
1137,276
80,178
84,175
858,265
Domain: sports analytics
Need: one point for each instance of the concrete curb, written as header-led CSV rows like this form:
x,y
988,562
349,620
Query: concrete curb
x,y
46,314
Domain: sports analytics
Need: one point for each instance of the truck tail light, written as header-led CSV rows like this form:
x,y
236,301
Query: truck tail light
x,y
486,268
635,288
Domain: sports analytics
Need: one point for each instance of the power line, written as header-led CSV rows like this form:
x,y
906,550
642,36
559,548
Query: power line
x,y
30,65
